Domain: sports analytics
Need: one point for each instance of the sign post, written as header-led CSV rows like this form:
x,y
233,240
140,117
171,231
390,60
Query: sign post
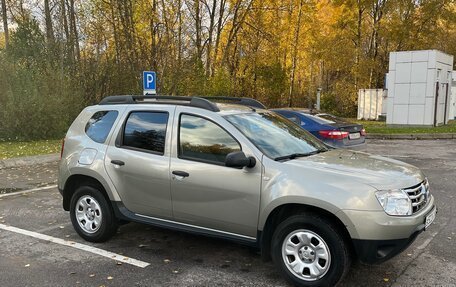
x,y
149,83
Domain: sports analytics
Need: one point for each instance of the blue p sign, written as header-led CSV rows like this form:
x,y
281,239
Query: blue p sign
x,y
149,81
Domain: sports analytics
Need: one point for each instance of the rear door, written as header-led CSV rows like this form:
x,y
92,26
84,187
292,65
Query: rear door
x,y
137,161
205,192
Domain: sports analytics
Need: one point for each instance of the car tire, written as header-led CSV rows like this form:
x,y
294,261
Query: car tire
x,y
91,215
301,242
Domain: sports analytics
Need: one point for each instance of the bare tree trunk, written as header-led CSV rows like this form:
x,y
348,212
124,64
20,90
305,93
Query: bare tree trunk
x,y
5,23
179,36
211,31
125,10
74,31
115,32
48,21
235,27
199,50
153,35
64,20
377,14
294,60
358,42
219,32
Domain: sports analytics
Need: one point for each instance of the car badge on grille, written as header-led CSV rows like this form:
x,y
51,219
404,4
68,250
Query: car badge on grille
x,y
424,192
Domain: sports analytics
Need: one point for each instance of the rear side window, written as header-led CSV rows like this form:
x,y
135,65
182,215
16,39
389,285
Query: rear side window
x,y
100,124
146,131
203,140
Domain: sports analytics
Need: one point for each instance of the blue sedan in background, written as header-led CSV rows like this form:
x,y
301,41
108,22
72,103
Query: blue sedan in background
x,y
332,130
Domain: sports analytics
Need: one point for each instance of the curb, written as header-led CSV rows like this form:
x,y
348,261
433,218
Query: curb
x,y
436,136
28,160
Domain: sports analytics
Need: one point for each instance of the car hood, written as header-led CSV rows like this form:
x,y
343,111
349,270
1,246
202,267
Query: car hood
x,y
379,172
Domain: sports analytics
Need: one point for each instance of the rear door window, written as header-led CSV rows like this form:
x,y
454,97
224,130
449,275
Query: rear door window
x,y
100,124
146,131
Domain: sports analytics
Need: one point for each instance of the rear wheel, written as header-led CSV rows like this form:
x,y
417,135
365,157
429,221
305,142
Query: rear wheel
x,y
310,251
91,215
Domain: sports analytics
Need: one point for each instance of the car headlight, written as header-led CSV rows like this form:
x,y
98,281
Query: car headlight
x,y
394,202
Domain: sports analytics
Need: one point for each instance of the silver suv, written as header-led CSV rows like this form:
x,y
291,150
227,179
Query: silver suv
x,y
233,170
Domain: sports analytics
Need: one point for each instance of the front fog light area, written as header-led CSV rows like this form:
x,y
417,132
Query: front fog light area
x,y
395,202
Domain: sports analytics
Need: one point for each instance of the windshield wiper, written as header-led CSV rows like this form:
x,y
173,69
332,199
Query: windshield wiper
x,y
296,155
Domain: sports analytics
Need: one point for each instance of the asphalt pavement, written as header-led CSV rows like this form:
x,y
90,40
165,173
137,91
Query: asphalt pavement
x,y
38,246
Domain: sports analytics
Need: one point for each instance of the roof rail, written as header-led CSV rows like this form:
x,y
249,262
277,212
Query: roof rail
x,y
177,100
239,101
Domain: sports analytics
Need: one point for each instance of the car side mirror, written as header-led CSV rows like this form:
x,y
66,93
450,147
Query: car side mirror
x,y
237,159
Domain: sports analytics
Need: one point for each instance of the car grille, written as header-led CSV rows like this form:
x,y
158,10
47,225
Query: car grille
x,y
419,194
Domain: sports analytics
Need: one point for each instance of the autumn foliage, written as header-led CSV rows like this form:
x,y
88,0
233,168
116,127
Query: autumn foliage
x,y
61,55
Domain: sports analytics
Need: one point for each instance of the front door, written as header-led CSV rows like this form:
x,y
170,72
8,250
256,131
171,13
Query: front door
x,y
205,192
138,162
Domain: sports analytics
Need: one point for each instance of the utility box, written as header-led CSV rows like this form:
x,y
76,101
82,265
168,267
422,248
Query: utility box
x,y
419,88
371,104
452,112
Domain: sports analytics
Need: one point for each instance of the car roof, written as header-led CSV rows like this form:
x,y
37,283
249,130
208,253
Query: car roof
x,y
222,105
228,109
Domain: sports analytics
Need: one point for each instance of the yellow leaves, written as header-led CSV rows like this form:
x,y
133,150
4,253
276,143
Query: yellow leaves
x,y
328,15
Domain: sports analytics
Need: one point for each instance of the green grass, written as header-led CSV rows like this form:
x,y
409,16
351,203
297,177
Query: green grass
x,y
10,149
375,127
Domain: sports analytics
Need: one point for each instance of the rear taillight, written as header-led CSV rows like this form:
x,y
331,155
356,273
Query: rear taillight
x,y
63,146
363,132
337,135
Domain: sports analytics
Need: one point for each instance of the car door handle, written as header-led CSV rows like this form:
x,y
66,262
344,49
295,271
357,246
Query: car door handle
x,y
181,173
117,162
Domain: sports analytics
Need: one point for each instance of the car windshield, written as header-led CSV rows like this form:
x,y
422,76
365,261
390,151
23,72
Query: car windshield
x,y
275,136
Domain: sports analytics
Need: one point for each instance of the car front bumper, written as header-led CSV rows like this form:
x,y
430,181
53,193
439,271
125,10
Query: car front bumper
x,y
378,251
378,237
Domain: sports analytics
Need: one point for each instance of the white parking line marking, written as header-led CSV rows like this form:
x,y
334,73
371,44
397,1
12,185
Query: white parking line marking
x,y
427,241
98,251
28,190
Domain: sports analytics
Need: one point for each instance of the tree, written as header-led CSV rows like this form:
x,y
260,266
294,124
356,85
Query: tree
x,y
49,28
277,51
5,23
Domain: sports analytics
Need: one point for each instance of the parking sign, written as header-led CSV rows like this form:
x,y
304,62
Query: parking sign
x,y
149,82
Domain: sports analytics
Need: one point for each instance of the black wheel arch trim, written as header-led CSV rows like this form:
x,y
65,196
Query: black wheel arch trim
x,y
76,180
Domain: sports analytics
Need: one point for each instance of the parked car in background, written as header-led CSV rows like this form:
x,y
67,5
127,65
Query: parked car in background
x,y
332,130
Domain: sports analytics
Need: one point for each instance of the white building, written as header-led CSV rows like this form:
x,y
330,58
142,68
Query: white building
x,y
452,112
419,88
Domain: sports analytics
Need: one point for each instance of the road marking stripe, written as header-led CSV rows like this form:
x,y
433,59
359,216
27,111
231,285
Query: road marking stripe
x,y
427,241
98,251
28,190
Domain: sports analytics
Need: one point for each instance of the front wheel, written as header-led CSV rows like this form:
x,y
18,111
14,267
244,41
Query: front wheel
x,y
91,215
310,251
